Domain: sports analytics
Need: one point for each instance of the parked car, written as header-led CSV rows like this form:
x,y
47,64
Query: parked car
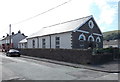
x,y
13,52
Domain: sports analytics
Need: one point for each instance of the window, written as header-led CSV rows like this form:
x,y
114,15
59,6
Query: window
x,y
82,37
57,46
57,42
98,39
25,45
22,44
43,43
97,42
91,24
91,38
33,43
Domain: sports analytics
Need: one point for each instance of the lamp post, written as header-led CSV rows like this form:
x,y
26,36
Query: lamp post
x,y
10,35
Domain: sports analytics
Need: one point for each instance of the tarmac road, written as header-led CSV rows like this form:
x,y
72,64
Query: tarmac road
x,y
20,68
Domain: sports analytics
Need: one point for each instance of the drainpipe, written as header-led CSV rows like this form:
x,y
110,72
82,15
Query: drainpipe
x,y
50,41
38,42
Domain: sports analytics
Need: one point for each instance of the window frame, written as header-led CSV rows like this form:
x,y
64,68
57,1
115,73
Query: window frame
x,y
43,43
98,39
91,37
91,24
57,42
33,43
82,35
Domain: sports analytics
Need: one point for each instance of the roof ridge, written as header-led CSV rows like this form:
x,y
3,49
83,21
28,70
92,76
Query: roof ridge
x,y
72,28
10,36
68,21
76,19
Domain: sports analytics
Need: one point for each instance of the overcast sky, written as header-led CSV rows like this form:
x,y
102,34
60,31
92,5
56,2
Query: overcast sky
x,y
15,12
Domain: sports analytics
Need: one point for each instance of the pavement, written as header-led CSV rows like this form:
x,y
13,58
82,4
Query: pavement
x,y
109,67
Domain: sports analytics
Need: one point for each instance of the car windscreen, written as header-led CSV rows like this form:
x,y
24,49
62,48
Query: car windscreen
x,y
12,50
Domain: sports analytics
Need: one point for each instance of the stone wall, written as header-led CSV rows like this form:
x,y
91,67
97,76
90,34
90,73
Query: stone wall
x,y
68,55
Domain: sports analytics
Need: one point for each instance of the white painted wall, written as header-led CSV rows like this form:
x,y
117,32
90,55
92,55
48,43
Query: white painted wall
x,y
30,42
65,41
3,41
36,42
22,45
107,46
47,40
0,43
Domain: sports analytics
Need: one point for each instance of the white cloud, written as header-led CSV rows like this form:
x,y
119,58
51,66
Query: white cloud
x,y
15,11
107,12
113,0
72,10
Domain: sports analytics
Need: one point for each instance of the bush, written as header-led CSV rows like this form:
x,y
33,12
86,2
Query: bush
x,y
103,50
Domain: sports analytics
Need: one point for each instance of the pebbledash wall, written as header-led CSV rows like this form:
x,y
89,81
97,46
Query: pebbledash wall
x,y
65,41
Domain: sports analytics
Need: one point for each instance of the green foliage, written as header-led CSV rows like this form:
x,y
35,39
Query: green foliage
x,y
111,35
103,50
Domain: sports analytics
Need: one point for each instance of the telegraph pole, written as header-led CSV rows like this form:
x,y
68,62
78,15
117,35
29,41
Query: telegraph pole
x,y
10,35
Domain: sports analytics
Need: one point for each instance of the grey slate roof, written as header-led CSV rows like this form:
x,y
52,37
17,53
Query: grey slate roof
x,y
61,27
7,37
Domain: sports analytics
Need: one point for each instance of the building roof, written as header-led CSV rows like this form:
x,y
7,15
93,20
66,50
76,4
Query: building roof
x,y
23,41
7,37
111,42
61,27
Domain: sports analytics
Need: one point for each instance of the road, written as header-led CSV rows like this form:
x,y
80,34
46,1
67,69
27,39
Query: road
x,y
20,68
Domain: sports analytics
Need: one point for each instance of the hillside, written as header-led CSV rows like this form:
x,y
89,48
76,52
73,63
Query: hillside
x,y
111,35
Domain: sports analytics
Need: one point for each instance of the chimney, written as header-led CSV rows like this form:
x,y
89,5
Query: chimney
x,y
12,33
23,34
7,35
19,31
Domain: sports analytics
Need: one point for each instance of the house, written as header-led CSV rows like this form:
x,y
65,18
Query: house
x,y
111,43
15,38
22,43
80,33
1,43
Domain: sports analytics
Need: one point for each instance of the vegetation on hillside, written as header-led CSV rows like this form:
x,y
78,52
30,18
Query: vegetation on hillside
x,y
111,35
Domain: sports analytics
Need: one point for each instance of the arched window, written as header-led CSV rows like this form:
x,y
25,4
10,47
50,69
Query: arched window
x,y
91,38
82,37
98,39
